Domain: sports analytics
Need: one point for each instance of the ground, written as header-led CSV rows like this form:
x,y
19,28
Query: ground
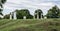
x,y
30,25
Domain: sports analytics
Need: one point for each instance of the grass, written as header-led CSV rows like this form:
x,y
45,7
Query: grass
x,y
30,25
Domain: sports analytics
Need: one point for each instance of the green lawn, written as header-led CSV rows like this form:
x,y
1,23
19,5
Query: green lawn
x,y
30,25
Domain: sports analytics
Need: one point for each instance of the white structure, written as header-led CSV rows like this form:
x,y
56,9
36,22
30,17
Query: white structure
x,y
13,15
10,15
41,15
45,17
38,15
24,17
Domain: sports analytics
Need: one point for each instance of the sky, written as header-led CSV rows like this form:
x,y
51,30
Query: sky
x,y
31,5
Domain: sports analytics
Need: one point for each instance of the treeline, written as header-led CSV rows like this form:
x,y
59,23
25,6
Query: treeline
x,y
54,12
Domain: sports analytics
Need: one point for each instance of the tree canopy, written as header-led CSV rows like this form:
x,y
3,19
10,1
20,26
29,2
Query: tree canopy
x,y
1,6
23,12
3,1
54,12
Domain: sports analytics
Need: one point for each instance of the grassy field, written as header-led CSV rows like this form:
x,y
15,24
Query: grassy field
x,y
30,25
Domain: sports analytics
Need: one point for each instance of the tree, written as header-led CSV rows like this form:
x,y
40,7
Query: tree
x,y
7,16
23,12
38,13
1,5
3,1
53,13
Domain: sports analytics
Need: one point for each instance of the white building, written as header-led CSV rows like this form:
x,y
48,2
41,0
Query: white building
x,y
13,15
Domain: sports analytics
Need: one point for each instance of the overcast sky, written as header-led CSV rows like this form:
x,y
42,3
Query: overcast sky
x,y
31,5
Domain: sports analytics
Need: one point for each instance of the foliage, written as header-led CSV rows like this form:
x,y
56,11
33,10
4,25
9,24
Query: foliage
x,y
54,12
7,16
1,5
23,12
3,1
1,11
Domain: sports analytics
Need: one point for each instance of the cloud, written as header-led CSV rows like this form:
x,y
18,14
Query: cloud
x,y
32,5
